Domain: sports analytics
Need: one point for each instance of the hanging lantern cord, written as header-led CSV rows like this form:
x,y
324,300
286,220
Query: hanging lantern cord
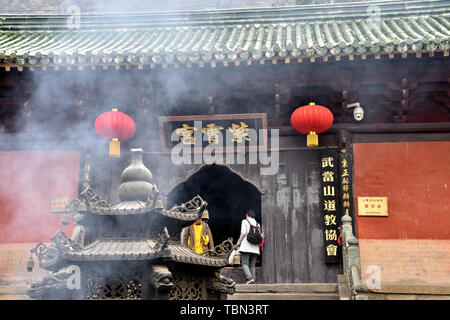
x,y
312,139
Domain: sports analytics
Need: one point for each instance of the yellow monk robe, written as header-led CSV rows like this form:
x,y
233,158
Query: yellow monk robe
x,y
198,247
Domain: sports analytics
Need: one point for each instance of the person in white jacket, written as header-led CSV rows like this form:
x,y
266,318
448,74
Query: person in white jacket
x,y
249,252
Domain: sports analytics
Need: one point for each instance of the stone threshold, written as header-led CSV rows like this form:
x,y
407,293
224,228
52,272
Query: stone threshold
x,y
412,289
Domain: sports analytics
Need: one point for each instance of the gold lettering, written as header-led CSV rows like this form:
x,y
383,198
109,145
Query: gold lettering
x,y
330,219
186,133
327,176
330,205
327,162
212,131
239,132
345,173
328,191
331,250
330,235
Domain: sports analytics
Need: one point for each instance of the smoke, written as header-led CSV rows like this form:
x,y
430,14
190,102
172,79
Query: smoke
x,y
57,111
133,6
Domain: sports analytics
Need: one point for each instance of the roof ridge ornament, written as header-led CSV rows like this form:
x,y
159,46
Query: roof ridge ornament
x,y
136,179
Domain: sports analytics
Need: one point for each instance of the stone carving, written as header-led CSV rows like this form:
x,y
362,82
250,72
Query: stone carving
x,y
163,240
162,282
52,287
221,284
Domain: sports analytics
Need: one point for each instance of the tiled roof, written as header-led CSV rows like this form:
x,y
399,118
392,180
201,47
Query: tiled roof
x,y
95,204
115,249
141,207
183,254
227,36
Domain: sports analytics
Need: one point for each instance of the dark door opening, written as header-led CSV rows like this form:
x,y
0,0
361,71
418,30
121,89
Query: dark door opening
x,y
228,196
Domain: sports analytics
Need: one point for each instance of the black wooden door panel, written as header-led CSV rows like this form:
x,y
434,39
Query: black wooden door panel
x,y
293,222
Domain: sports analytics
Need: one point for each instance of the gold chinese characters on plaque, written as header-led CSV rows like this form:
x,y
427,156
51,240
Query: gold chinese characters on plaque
x,y
373,206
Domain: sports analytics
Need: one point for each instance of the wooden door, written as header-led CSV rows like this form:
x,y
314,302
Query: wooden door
x,y
293,251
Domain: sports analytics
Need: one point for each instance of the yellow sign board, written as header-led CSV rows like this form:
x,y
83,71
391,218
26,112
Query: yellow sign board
x,y
373,206
58,205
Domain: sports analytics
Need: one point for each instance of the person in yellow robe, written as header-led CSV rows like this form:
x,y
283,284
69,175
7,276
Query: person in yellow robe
x,y
198,236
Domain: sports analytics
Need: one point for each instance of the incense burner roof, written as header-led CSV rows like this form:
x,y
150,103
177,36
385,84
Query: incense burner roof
x,y
225,36
94,204
138,196
144,249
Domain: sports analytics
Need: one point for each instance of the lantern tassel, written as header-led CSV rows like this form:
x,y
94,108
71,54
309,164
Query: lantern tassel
x,y
312,139
114,148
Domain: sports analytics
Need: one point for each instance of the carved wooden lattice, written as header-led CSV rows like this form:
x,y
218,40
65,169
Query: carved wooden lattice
x,y
116,286
186,287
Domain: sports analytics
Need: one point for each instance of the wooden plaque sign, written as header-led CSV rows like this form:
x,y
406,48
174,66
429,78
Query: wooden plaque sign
x,y
373,206
221,130
58,205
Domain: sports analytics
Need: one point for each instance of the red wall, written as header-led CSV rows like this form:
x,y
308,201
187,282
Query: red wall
x,y
28,181
415,176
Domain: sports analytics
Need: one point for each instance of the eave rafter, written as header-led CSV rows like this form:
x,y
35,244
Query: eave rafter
x,y
226,37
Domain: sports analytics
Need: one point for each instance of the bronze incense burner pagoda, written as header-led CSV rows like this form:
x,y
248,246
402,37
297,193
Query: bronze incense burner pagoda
x,y
131,250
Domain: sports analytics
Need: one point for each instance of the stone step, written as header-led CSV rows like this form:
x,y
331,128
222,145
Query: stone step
x,y
14,292
13,289
288,288
283,296
342,288
286,291
14,297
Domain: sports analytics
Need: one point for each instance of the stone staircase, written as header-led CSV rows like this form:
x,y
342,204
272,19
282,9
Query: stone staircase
x,y
286,291
13,290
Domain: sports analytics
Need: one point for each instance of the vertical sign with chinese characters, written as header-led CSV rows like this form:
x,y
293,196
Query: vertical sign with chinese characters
x,y
330,204
85,172
345,179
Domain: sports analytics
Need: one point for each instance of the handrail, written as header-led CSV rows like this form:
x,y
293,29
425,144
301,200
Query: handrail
x,y
352,262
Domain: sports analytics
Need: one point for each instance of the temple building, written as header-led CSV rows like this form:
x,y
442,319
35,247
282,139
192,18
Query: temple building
x,y
353,197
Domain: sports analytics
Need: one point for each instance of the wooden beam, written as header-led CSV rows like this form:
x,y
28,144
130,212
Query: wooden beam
x,y
425,127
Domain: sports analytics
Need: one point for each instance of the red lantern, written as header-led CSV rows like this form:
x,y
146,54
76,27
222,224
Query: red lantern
x,y
116,126
312,119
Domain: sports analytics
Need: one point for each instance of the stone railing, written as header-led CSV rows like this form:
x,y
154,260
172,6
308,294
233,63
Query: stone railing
x,y
352,262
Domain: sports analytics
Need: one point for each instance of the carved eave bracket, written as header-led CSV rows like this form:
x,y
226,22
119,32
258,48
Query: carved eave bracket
x,y
92,202
97,205
188,211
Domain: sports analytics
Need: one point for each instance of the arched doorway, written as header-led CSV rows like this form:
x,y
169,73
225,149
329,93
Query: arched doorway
x,y
228,196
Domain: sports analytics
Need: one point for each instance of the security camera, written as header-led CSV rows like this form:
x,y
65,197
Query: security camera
x,y
358,113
